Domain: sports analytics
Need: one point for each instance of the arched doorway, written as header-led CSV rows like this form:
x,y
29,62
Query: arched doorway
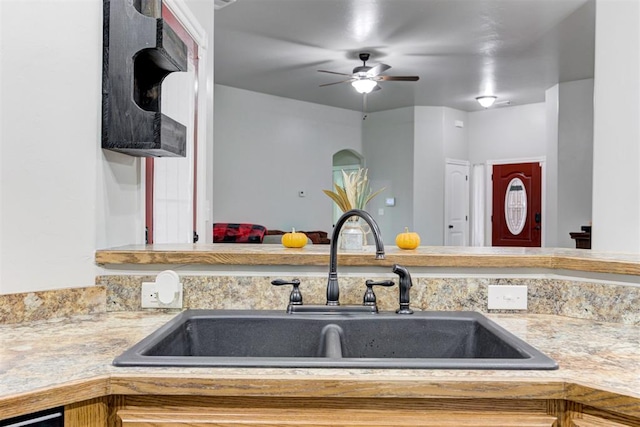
x,y
347,160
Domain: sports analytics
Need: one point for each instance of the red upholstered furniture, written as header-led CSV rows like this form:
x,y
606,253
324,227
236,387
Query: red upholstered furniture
x,y
224,232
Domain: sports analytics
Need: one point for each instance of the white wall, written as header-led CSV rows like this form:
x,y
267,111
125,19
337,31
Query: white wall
x,y
51,97
455,139
550,220
388,151
507,133
575,159
119,199
569,166
267,149
436,139
616,164
61,195
428,175
405,150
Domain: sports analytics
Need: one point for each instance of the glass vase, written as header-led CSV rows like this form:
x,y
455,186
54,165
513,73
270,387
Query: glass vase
x,y
352,235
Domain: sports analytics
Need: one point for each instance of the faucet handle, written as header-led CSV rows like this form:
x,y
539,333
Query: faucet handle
x,y
370,297
295,297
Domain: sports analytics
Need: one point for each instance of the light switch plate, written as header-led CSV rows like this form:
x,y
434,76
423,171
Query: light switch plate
x,y
507,297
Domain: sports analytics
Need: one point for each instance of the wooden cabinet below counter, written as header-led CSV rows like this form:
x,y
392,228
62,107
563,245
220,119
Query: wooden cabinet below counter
x,y
197,411
587,416
228,412
302,418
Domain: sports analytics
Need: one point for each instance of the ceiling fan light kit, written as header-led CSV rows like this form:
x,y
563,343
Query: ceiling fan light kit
x,y
486,101
364,78
363,85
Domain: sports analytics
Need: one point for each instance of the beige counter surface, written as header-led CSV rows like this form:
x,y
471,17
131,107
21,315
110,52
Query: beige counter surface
x,y
424,256
57,362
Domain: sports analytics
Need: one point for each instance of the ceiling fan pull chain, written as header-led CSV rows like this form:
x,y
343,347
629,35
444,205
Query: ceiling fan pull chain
x,y
364,106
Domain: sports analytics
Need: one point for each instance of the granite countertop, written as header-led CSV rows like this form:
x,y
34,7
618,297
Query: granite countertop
x,y
424,256
36,359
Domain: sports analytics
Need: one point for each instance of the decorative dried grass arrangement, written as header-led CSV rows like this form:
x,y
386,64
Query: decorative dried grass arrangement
x,y
355,193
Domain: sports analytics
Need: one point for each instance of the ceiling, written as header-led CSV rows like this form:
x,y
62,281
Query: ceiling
x,y
461,49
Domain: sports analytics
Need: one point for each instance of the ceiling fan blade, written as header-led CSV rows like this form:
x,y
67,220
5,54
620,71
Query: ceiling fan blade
x,y
335,83
377,69
333,72
399,78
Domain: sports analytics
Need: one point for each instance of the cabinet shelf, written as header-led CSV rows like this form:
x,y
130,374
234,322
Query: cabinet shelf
x,y
139,51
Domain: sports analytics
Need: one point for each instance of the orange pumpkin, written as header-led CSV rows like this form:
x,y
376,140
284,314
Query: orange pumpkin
x,y
407,239
294,240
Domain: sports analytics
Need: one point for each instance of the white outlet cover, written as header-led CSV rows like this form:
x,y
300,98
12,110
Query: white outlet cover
x,y
507,297
149,295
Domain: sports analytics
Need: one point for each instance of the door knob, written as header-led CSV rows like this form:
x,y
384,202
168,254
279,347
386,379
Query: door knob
x,y
450,226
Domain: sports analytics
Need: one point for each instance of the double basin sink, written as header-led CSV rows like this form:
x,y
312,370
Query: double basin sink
x,y
423,340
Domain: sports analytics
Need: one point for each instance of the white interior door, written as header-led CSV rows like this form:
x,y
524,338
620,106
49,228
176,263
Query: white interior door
x,y
173,176
456,203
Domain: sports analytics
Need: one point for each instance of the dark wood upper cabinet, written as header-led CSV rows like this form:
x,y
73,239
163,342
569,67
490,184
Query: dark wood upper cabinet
x,y
139,51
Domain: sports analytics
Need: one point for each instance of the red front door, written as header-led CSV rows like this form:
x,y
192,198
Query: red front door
x,y
517,205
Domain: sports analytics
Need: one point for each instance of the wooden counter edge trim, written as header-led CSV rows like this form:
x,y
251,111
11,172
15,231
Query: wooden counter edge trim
x,y
51,397
596,265
469,387
463,260
551,261
118,257
381,387
598,397
115,257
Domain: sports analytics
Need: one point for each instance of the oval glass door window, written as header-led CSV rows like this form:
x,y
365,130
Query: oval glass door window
x,y
515,206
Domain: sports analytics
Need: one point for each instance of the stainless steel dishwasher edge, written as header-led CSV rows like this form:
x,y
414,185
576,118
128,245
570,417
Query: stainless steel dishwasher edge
x,y
48,418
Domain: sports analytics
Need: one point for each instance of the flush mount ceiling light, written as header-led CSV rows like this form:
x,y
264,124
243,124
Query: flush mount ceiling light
x,y
219,4
486,101
363,85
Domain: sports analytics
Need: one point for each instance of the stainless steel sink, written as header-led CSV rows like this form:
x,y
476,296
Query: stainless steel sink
x,y
451,340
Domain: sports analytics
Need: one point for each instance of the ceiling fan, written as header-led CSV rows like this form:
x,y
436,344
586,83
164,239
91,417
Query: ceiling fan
x,y
365,79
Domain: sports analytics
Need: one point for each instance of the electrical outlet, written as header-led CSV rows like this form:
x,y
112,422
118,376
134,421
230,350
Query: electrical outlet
x,y
507,297
149,297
